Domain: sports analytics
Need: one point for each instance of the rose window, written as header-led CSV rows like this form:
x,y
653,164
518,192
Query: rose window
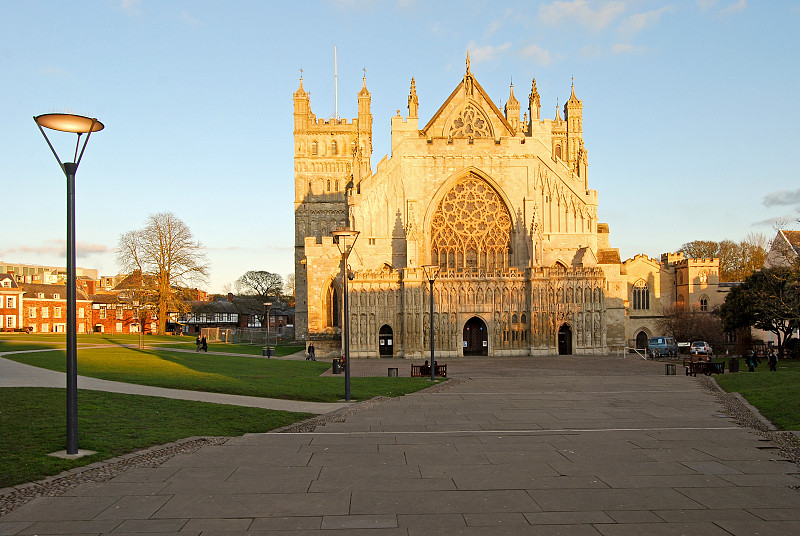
x,y
471,228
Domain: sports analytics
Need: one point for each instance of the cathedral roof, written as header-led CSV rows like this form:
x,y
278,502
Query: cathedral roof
x,y
468,112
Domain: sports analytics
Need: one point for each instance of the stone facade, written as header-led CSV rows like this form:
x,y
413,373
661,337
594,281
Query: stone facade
x,y
500,203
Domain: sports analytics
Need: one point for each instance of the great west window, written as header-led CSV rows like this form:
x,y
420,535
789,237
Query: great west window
x,y
471,228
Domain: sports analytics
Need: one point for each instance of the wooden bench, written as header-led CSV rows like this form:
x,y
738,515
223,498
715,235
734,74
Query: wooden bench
x,y
420,371
704,367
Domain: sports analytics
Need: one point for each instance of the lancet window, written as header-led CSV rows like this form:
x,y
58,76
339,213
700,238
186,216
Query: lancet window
x,y
471,228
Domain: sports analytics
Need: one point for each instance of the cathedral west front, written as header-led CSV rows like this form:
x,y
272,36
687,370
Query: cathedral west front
x,y
499,201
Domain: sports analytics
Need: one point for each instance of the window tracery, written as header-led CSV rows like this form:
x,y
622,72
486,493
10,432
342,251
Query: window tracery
x,y
470,123
471,228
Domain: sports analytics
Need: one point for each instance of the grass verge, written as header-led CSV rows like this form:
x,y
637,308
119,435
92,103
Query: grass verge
x,y
230,374
111,424
775,394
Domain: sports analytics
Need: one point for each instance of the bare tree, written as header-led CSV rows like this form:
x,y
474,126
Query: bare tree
x,y
260,283
165,250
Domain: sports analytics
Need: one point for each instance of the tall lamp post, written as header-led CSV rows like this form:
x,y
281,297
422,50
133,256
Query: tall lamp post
x,y
431,271
76,124
267,306
345,240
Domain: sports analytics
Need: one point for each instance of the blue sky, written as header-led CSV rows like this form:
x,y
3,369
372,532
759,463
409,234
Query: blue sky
x,y
690,110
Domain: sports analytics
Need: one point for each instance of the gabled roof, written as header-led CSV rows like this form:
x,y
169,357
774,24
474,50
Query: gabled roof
x,y
33,289
468,92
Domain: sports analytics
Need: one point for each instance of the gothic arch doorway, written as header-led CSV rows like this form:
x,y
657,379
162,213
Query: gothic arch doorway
x,y
565,340
385,341
641,340
476,337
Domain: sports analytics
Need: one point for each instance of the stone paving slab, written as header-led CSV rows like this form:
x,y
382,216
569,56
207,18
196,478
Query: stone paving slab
x,y
576,446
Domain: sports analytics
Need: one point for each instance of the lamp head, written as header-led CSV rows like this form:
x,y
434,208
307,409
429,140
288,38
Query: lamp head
x,y
431,271
342,237
76,124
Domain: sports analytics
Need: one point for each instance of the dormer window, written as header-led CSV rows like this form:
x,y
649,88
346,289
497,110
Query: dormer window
x,y
56,296
40,294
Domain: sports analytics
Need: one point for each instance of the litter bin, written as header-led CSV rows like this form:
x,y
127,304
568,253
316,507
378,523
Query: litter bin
x,y
392,372
337,366
733,366
669,369
267,351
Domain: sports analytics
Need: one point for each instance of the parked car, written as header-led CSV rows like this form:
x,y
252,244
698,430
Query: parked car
x,y
700,348
662,346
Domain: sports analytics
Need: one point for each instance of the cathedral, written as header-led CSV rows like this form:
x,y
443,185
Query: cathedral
x,y
498,201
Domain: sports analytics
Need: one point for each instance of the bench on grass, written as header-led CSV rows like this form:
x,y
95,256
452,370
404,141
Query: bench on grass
x,y
420,371
704,367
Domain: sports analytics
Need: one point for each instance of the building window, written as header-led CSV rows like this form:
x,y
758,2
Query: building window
x,y
31,312
334,148
314,148
329,185
118,327
704,303
120,314
40,294
81,313
45,312
11,321
102,314
56,296
56,312
45,328
10,302
641,296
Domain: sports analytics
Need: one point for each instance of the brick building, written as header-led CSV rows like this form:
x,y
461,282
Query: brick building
x,y
44,308
10,304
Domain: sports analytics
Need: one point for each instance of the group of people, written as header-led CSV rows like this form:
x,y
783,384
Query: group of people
x,y
201,344
753,359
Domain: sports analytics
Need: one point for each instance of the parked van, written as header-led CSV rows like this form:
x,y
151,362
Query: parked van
x,y
662,346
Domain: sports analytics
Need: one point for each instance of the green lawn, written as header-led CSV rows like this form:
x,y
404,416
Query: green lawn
x,y
33,424
231,374
775,394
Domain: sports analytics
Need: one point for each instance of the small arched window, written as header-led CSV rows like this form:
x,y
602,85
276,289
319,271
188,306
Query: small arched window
x,y
641,296
334,147
704,303
558,151
514,318
329,185
314,148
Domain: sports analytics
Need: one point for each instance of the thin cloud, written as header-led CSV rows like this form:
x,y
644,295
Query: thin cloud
x,y
536,53
582,12
57,247
782,198
486,53
49,70
190,20
131,6
639,22
736,7
626,48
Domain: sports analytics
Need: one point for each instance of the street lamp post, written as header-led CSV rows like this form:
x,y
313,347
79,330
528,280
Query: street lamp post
x,y
267,306
431,271
345,240
79,125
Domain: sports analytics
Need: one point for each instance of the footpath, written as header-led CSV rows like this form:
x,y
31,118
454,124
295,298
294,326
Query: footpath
x,y
573,445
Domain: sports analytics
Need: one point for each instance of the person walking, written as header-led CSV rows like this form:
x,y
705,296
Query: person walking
x,y
773,361
198,342
204,344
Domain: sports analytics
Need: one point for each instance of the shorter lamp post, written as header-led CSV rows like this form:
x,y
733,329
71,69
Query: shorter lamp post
x,y
431,271
267,309
75,124
345,240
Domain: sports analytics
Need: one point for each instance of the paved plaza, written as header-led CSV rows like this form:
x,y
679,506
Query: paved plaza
x,y
512,446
